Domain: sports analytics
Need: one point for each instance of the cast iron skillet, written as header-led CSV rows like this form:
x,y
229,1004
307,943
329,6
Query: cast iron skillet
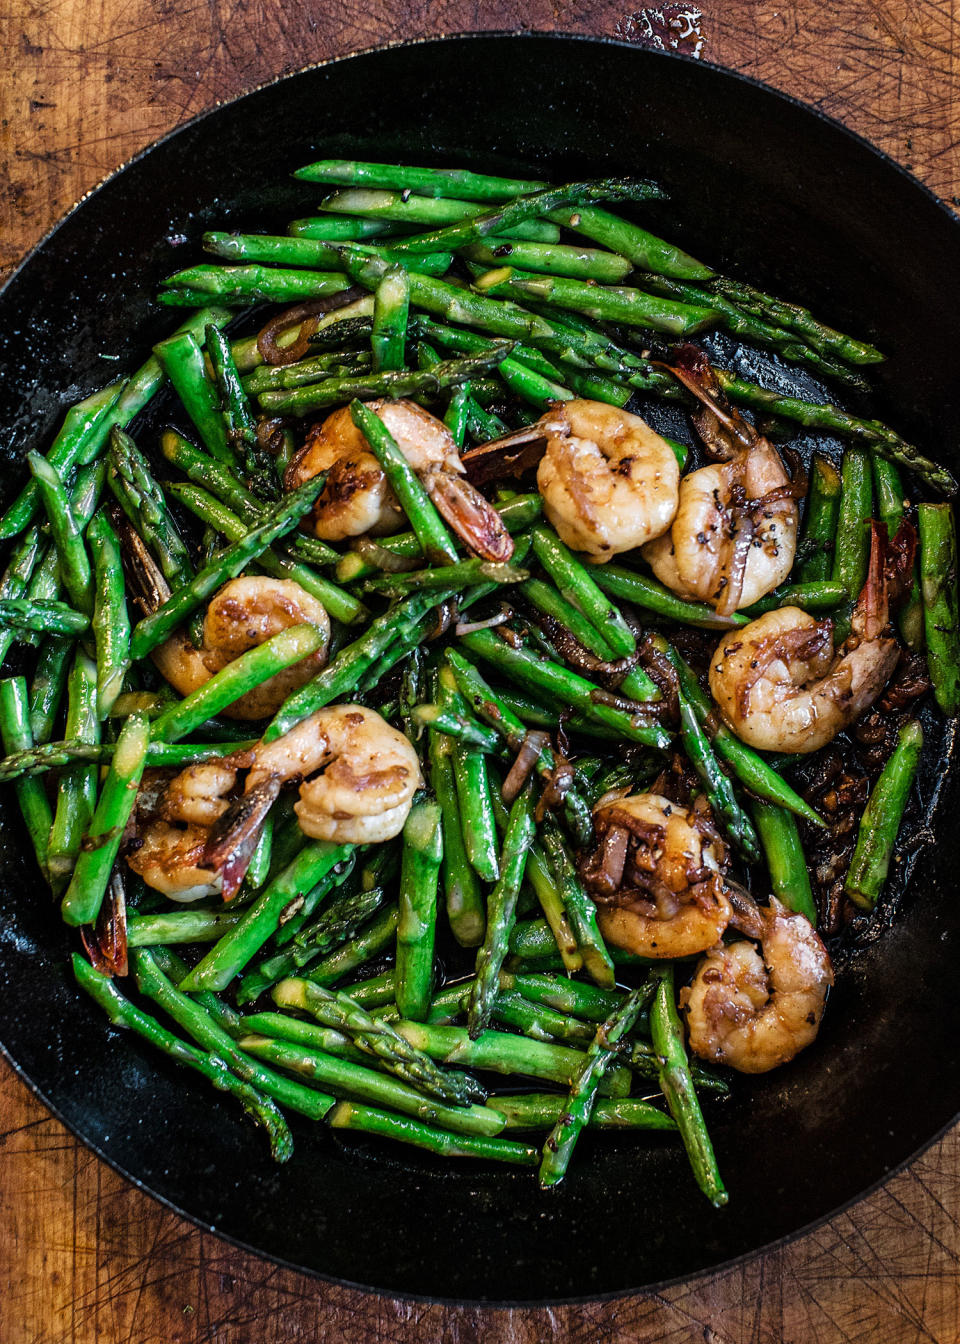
x,y
759,186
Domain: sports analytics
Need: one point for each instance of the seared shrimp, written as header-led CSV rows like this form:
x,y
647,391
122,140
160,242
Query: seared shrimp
x,y
246,612
734,536
172,826
359,774
656,877
756,1012
357,778
357,499
609,483
780,684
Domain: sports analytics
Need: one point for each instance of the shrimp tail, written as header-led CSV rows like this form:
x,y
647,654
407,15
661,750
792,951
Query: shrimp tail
x,y
106,943
721,426
472,517
508,457
234,838
872,611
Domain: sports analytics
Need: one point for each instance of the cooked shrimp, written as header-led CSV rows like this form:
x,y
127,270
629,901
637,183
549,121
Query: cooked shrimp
x,y
656,877
172,827
357,777
756,1012
357,499
734,536
609,483
244,613
171,859
780,684
359,774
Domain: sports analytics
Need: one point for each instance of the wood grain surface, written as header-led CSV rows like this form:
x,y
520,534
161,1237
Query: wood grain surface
x,y
85,1258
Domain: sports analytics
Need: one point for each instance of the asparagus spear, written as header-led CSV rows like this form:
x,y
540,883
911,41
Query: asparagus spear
x,y
578,263
786,862
181,358
367,1120
192,1016
542,1110
403,208
622,303
677,1086
375,937
17,737
238,421
398,383
154,629
98,851
439,182
558,1149
111,623
938,581
881,819
390,313
464,902
299,251
77,788
416,929
565,995
379,1039
241,943
74,563
719,789
179,927
580,909
815,552
51,618
344,1076
37,760
579,588
642,591
501,912
502,1052
476,810
852,551
123,1013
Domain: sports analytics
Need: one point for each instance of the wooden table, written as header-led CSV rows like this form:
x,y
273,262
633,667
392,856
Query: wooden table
x,y
83,1256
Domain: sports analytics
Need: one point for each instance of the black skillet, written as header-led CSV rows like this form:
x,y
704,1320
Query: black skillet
x,y
759,186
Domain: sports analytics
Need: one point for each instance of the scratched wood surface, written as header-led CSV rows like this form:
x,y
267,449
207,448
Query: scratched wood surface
x,y
85,1258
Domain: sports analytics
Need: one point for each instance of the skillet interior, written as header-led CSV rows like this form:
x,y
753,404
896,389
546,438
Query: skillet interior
x,y
762,188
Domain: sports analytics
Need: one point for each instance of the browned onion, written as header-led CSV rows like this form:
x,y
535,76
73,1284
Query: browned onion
x,y
305,315
533,744
446,615
573,652
468,627
558,786
635,707
388,561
